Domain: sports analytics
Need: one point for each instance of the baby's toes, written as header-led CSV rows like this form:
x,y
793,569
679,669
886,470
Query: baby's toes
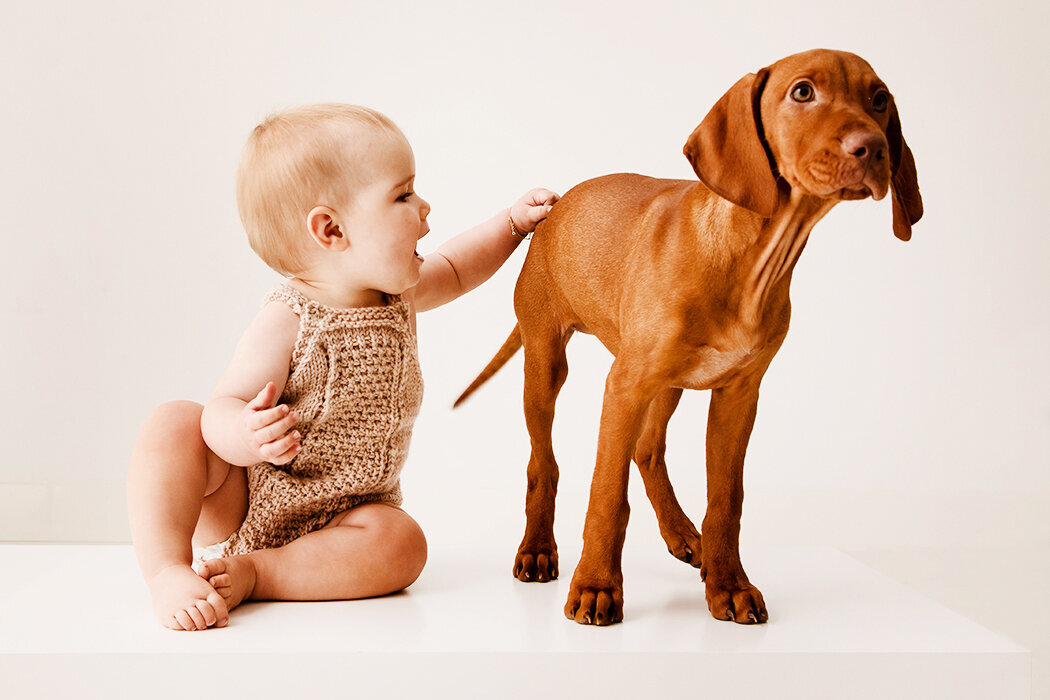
x,y
215,573
174,623
207,611
218,604
222,583
186,622
197,616
207,569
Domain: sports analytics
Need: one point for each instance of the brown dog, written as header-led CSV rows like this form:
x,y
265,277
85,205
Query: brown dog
x,y
686,283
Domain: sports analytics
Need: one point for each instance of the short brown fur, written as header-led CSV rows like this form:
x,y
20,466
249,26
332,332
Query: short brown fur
x,y
686,283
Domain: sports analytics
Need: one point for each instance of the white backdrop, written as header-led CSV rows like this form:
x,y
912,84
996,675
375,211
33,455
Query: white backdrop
x,y
908,405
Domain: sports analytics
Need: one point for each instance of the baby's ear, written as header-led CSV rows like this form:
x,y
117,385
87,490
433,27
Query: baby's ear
x,y
324,230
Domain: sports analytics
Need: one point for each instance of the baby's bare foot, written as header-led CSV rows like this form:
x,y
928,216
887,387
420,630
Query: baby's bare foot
x,y
232,577
182,600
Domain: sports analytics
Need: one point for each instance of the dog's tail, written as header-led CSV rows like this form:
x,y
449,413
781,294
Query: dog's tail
x,y
511,346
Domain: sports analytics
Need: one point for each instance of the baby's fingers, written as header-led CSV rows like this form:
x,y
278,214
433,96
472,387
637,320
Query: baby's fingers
x,y
260,419
289,454
282,451
265,398
269,433
539,213
543,196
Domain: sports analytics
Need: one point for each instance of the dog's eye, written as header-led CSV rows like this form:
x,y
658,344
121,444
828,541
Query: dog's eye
x,y
880,101
803,92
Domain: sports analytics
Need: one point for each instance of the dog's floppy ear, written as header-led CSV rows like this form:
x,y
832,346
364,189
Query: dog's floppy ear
x,y
907,202
726,150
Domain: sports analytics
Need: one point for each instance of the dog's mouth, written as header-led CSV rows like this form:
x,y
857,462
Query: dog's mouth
x,y
875,183
849,185
861,192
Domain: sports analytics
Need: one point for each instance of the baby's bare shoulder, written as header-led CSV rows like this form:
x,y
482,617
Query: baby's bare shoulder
x,y
275,327
277,316
263,353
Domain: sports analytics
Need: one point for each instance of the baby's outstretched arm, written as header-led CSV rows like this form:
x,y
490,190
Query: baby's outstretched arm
x,y
472,257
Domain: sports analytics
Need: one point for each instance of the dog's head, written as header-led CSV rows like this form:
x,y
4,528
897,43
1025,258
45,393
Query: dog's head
x,y
822,122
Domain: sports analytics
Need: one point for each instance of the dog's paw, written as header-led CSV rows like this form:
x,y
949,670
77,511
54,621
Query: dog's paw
x,y
536,566
683,542
742,604
595,605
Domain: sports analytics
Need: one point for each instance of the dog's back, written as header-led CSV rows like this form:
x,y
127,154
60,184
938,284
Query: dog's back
x,y
605,238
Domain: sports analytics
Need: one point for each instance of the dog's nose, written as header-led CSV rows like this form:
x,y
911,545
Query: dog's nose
x,y
867,146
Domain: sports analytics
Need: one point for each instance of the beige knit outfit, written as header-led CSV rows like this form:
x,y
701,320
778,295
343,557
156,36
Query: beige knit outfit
x,y
355,383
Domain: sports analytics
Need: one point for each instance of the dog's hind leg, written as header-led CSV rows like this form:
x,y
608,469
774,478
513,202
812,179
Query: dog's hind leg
x,y
545,371
678,531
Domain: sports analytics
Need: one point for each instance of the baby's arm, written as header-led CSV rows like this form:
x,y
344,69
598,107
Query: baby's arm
x,y
240,422
472,257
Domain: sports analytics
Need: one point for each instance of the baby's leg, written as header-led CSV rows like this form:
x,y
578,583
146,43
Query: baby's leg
x,y
179,492
370,550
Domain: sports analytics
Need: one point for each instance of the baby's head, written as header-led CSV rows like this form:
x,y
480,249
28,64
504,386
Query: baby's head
x,y
302,158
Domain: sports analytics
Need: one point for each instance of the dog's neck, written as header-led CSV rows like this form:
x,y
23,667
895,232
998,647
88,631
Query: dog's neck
x,y
769,261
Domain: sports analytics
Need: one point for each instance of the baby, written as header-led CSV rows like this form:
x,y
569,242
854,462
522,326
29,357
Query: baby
x,y
293,465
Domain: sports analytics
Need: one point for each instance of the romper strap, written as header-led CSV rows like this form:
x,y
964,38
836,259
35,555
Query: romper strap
x,y
295,299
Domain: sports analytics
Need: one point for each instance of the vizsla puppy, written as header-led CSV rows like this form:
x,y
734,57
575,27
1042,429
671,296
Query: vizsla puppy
x,y
686,283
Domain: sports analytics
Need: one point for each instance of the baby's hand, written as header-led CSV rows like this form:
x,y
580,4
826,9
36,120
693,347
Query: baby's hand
x,y
264,428
532,209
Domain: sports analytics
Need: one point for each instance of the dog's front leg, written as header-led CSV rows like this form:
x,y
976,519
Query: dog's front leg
x,y
678,531
730,596
596,591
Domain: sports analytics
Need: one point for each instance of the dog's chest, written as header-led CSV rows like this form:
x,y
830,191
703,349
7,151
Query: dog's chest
x,y
710,366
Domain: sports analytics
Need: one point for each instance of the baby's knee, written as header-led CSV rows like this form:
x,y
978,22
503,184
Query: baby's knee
x,y
410,549
176,424
404,543
396,539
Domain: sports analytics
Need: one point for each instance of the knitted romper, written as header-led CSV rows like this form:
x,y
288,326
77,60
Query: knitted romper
x,y
355,383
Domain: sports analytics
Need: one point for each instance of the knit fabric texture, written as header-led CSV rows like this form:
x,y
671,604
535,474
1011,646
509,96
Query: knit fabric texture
x,y
356,385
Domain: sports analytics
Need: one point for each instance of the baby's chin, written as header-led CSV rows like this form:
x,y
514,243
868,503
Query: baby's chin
x,y
397,290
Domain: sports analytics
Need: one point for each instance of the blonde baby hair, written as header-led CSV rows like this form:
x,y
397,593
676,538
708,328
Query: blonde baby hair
x,y
290,163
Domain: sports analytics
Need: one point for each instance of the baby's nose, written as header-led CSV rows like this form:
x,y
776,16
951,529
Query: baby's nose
x,y
423,218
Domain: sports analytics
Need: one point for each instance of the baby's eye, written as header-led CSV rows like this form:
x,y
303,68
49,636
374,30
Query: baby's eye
x,y
405,196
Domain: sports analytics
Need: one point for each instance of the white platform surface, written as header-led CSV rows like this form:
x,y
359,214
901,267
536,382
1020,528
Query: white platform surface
x,y
75,621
